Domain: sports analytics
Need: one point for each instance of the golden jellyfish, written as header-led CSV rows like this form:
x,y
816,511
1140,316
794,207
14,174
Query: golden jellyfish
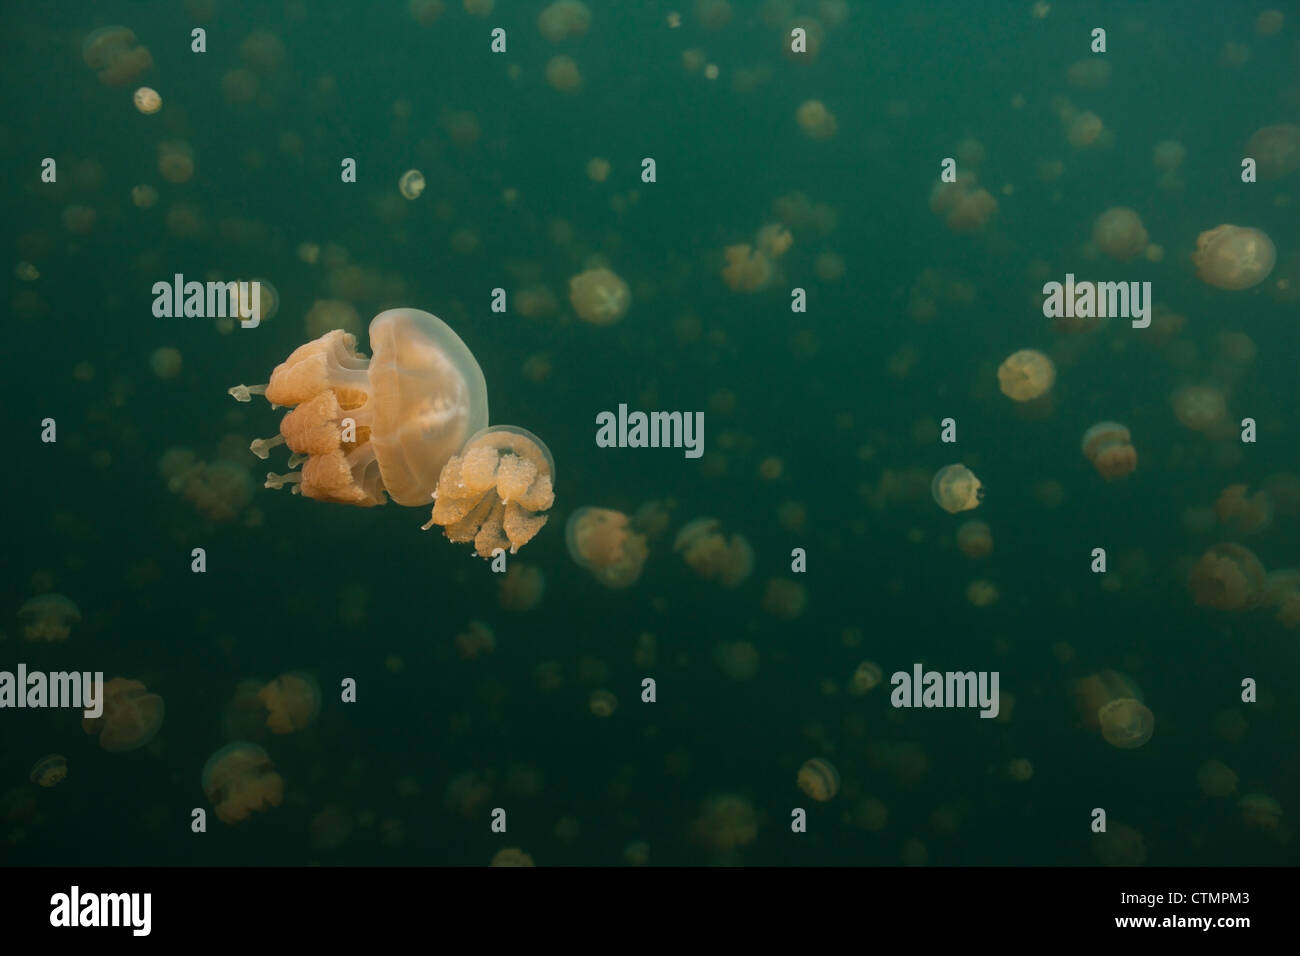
x,y
1126,723
147,100
1026,375
816,121
1109,446
522,587
1084,129
963,206
1201,408
1119,845
1242,513
599,296
475,641
130,719
49,771
739,660
1095,691
48,617
511,856
807,49
784,598
1020,770
113,51
1233,257
240,779
388,424
1282,591
411,183
866,678
1168,155
292,702
1275,149
426,12
726,822
955,488
711,555
600,540
975,539
1228,577
562,74
1092,73
1260,810
176,161
1119,233
982,593
819,779
326,315
1269,23
747,269
165,361
495,491
602,703
1216,779
563,20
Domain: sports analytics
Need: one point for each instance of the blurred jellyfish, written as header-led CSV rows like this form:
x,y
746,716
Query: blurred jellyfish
x,y
176,161
602,703
1233,257
475,641
1090,74
747,269
1282,591
955,488
1020,770
1084,129
1109,446
292,702
866,678
563,20
739,660
1227,577
599,296
328,314
1126,723
975,539
426,12
522,587
726,822
1026,375
244,715
147,100
1275,149
1260,810
1168,155
239,779
511,856
49,771
708,552
48,617
819,779
384,424
1119,233
1243,514
112,51
496,490
982,593
816,121
600,540
1216,779
963,206
329,829
411,183
562,74
1201,408
784,598
165,362
1119,845
131,716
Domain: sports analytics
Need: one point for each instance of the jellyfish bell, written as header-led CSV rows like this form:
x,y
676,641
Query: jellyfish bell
x,y
1119,233
1026,375
1126,723
131,716
819,779
48,617
1109,446
292,702
1275,149
601,541
1233,257
955,488
239,779
1228,577
49,771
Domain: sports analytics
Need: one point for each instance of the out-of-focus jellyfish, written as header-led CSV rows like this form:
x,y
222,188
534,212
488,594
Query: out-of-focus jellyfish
x,y
511,856
982,593
476,640
49,770
562,74
1228,577
1084,129
1242,513
1025,375
1119,845
244,715
410,408
494,491
739,660
975,539
1282,591
955,488
1109,446
466,793
711,555
600,540
48,617
1119,233
326,315
599,296
329,829
1275,149
963,205
176,161
1168,155
819,779
602,703
1126,723
784,598
816,121
522,587
1092,73
292,702
867,676
1095,691
598,169
165,361
1260,810
1233,257
131,716
263,51
1269,23
147,100
112,51
726,822
1020,770
563,20
240,779
1201,408
426,12
411,183
814,34
1216,779
747,269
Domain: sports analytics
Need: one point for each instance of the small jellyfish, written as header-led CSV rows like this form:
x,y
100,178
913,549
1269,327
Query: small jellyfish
x,y
602,703
866,677
563,20
739,660
1275,149
598,169
496,490
1126,723
1282,591
48,617
726,822
711,555
49,770
1020,770
1260,810
599,296
816,121
239,779
292,702
784,598
955,488
131,717
1216,779
819,779
511,856
747,269
112,50
1026,375
1119,233
1233,257
1119,845
147,100
1228,577
411,183
562,74
600,540
476,640
982,593
975,539
165,362
1242,513
1202,408
1109,446
522,587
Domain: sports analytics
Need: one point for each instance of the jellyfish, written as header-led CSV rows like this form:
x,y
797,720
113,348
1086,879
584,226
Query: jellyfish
x,y
711,555
726,822
1025,375
1244,514
598,169
564,19
975,539
387,424
1233,257
165,362
784,598
819,779
602,703
176,161
816,121
1126,723
1119,845
1275,149
496,490
1020,770
1083,129
1095,691
476,640
982,593
1109,446
292,702
147,100
1282,591
955,488
112,50
1216,779
522,587
739,660
49,771
244,716
1168,155
511,856
411,183
964,206
130,719
1260,810
1201,408
239,779
562,74
599,296
866,678
1119,233
600,540
747,269
48,617
1228,577
1092,73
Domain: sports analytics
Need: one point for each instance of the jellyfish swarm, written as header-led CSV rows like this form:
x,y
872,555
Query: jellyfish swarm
x,y
494,492
131,716
1233,257
240,778
384,424
600,540
1109,446
292,702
